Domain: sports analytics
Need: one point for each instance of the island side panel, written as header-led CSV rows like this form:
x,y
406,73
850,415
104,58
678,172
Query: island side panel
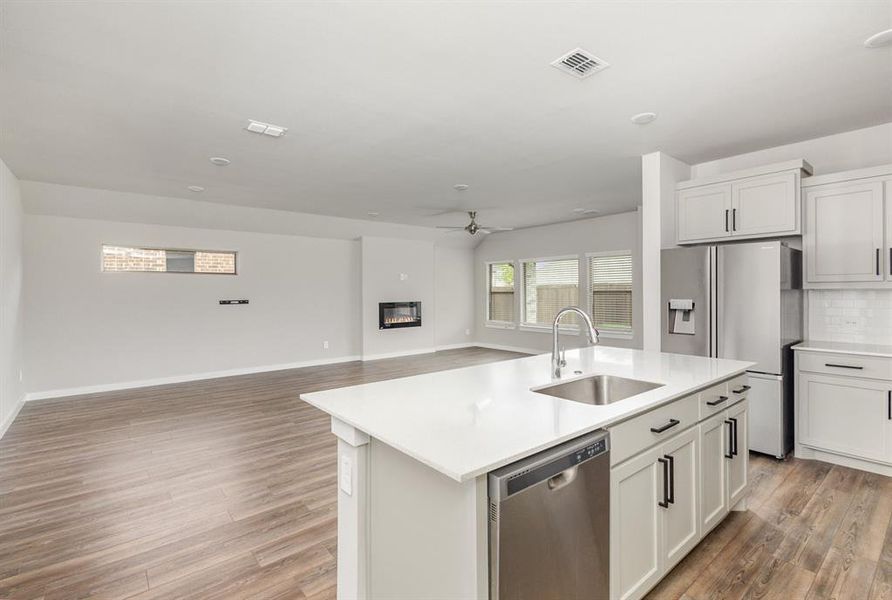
x,y
353,453
427,532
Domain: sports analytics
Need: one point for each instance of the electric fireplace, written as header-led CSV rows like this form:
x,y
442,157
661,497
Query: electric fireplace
x,y
395,315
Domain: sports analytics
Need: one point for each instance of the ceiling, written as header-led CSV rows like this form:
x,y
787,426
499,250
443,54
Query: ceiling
x,y
389,104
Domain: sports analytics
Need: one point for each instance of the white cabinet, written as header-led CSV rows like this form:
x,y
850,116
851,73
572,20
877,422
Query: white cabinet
x,y
844,409
704,213
887,254
761,202
636,562
844,233
849,415
668,492
739,461
714,446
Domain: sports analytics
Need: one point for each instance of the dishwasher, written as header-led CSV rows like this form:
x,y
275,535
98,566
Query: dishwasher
x,y
549,524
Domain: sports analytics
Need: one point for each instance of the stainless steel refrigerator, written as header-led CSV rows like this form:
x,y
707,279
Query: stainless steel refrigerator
x,y
740,301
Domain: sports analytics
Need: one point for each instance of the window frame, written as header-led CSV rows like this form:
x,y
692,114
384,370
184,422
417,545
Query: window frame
x,y
235,255
496,324
523,325
608,332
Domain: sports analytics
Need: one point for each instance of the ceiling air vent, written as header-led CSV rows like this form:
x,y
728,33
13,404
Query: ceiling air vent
x,y
580,63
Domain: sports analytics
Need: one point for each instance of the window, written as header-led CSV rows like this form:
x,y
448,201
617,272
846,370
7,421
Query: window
x,y
548,286
610,275
500,292
158,260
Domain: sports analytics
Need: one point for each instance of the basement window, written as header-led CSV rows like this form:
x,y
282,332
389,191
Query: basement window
x,y
130,259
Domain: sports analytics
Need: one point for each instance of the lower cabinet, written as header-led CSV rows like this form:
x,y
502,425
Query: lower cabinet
x,y
654,513
846,415
664,499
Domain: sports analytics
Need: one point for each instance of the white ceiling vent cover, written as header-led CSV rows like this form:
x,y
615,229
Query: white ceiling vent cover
x,y
580,63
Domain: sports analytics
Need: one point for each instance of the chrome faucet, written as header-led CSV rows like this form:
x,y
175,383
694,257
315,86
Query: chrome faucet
x,y
557,354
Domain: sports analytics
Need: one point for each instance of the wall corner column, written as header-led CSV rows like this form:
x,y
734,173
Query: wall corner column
x,y
353,460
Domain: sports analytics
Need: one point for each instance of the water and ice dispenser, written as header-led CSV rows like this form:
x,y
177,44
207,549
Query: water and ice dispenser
x,y
681,316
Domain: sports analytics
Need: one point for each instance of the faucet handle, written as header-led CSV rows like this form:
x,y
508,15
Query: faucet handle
x,y
563,359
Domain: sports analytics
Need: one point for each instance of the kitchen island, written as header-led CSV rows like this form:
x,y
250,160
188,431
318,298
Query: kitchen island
x,y
414,454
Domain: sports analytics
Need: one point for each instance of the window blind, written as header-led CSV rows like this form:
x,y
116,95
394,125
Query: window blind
x,y
611,283
500,281
549,285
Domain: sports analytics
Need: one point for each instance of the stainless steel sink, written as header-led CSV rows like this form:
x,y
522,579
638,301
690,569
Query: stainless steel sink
x,y
599,389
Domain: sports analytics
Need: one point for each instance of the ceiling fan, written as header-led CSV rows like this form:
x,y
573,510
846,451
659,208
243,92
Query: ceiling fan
x,y
473,228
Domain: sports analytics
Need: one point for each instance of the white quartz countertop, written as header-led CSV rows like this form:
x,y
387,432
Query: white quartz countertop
x,y
845,348
467,422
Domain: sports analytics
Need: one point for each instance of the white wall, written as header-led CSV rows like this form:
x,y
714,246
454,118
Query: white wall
x,y
11,307
90,331
840,152
613,232
454,292
396,271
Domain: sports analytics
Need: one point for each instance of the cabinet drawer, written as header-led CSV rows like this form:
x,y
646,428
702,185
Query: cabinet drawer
x,y
631,437
714,400
852,365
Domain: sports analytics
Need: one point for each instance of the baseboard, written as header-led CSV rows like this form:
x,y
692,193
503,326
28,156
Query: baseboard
x,y
367,357
806,453
510,348
127,385
4,426
455,346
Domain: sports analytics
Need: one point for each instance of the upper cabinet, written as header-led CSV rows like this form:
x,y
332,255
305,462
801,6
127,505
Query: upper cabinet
x,y
847,240
761,202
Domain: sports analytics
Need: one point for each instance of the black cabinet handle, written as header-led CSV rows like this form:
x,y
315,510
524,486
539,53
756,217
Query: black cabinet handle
x,y
665,502
734,219
734,428
836,366
726,219
741,389
671,498
890,260
716,402
878,262
672,423
730,425
889,405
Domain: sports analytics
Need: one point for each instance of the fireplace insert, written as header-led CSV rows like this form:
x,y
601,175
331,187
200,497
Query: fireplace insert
x,y
394,315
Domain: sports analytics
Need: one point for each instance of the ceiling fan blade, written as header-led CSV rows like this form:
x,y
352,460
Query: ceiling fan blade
x,y
449,227
497,228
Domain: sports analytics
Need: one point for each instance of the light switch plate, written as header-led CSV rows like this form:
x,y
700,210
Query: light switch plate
x,y
346,475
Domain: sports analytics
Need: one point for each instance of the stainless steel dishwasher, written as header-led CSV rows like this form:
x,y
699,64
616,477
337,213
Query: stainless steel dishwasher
x,y
549,524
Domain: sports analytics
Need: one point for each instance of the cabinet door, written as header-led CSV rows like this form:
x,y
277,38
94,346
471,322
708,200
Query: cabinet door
x,y
703,213
713,471
765,205
887,255
845,414
844,233
681,522
636,486
738,464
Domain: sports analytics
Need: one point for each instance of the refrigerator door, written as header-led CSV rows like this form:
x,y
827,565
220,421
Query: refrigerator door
x,y
748,312
685,275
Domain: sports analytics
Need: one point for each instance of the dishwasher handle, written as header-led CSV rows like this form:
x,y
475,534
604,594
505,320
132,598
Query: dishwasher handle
x,y
563,479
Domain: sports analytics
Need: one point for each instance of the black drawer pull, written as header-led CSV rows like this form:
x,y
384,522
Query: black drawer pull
x,y
672,423
730,425
741,389
717,401
843,366
665,501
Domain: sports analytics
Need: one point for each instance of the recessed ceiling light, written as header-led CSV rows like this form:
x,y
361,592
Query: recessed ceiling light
x,y
461,186
265,128
878,40
220,161
644,118
195,188
373,213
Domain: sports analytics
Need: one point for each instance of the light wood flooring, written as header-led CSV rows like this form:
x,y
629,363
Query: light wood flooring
x,y
226,489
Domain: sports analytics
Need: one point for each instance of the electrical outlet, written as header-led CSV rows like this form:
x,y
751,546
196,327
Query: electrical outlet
x,y
404,276
325,345
21,375
467,332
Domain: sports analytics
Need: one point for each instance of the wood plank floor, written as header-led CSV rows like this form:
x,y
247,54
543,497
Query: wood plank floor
x,y
226,489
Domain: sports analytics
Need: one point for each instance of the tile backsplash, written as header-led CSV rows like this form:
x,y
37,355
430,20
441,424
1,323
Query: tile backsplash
x,y
856,316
